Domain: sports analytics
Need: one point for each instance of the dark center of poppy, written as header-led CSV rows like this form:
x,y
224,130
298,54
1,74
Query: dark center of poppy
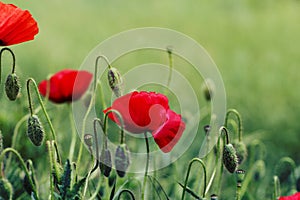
x,y
2,43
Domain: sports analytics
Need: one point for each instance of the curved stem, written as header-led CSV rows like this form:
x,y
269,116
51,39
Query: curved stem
x,y
147,166
122,141
13,57
22,164
188,174
223,129
88,177
127,191
91,103
239,119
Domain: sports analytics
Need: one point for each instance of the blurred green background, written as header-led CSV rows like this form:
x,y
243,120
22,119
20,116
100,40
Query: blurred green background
x,y
254,43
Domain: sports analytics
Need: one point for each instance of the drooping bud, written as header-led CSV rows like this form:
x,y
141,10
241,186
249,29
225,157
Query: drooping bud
x,y
122,159
284,168
213,197
230,159
12,86
6,189
260,170
115,81
88,140
241,151
35,130
105,162
208,89
240,175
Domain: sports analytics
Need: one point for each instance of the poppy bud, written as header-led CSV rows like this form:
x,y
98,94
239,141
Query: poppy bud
x,y
35,130
6,189
122,159
240,175
284,168
241,151
213,197
260,170
12,86
105,162
230,159
115,81
208,89
88,140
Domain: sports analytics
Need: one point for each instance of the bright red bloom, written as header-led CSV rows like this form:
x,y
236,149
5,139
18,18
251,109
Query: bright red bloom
x,y
149,111
66,85
167,135
295,196
16,25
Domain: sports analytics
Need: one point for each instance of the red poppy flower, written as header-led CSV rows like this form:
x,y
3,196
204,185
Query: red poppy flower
x,y
149,111
16,25
63,87
295,196
167,135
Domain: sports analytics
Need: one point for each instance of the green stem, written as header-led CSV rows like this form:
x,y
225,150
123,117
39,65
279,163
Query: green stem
x,y
13,57
239,119
96,137
147,165
88,177
2,155
127,191
51,159
90,105
122,141
188,174
73,131
276,187
43,109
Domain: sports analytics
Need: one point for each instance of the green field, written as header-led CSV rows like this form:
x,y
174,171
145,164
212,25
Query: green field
x,y
255,44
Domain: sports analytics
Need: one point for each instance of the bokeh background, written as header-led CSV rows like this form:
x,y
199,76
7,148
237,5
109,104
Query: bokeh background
x,y
254,43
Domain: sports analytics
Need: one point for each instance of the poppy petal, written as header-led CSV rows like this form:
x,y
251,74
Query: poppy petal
x,y
167,136
295,196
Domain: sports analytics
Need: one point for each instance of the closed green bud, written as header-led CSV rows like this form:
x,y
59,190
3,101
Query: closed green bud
x,y
6,189
115,81
241,151
208,89
88,140
122,159
240,175
260,170
105,162
230,159
284,168
35,130
12,86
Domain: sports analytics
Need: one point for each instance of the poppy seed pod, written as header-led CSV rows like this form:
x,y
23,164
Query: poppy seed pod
x,y
241,151
105,162
122,159
88,140
6,189
230,159
35,130
115,81
12,86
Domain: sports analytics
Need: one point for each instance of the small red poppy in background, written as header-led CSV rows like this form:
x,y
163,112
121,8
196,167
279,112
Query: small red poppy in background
x,y
16,25
149,111
66,85
295,196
